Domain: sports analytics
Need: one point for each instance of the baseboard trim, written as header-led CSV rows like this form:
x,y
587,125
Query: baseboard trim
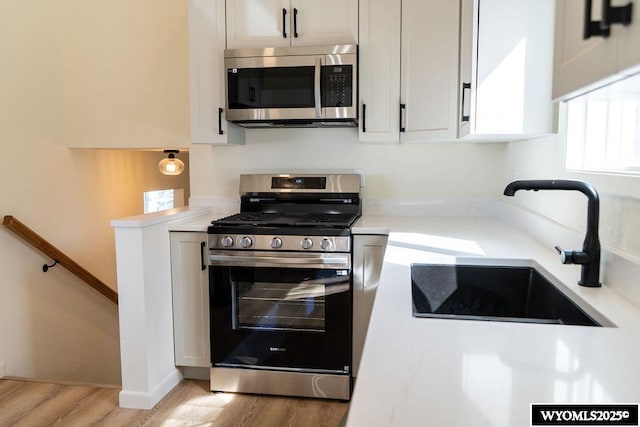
x,y
144,400
1,369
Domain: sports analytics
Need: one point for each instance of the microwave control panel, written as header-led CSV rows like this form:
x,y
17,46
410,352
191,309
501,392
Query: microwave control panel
x,y
337,85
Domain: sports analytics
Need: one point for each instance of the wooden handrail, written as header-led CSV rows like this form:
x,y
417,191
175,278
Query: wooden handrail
x,y
54,253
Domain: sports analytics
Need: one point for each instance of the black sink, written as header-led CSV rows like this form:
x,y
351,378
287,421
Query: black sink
x,y
481,292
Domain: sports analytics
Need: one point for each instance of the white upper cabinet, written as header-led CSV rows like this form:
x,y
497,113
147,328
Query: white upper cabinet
x,y
429,66
628,46
283,23
379,71
206,77
408,70
506,61
580,63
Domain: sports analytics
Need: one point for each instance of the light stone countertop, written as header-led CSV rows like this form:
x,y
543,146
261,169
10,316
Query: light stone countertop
x,y
416,372
443,372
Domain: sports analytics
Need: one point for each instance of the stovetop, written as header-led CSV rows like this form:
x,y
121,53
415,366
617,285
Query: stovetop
x,y
262,219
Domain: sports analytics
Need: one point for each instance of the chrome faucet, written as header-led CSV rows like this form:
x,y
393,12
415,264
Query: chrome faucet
x,y
589,256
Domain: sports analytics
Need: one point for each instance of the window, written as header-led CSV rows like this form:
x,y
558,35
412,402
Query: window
x,y
160,200
603,129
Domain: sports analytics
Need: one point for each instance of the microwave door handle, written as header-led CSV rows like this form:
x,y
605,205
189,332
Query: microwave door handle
x,y
316,87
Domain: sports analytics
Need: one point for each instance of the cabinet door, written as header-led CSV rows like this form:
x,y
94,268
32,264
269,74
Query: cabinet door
x,y
506,55
429,67
258,23
368,256
379,57
579,62
190,286
206,76
468,32
629,40
327,22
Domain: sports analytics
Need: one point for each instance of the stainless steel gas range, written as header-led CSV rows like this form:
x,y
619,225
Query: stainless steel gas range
x,y
280,279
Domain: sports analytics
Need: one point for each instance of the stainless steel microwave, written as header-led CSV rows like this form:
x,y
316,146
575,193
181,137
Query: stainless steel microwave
x,y
314,86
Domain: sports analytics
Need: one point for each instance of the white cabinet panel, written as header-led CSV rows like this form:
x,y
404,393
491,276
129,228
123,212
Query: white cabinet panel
x,y
328,22
506,69
368,256
379,82
283,23
257,23
429,64
579,62
581,65
206,77
408,57
190,286
628,47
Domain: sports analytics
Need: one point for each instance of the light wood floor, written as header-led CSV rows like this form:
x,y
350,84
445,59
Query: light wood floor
x,y
26,403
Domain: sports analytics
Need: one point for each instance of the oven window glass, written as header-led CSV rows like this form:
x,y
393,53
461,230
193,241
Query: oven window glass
x,y
279,306
283,305
275,87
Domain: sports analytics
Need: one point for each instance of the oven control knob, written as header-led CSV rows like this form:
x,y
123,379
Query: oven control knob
x,y
246,242
306,243
326,244
276,243
226,241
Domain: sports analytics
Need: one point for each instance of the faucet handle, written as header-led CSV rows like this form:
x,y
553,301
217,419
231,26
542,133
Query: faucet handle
x,y
572,257
563,255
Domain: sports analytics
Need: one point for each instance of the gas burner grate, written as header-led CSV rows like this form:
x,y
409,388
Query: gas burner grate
x,y
287,220
340,220
246,218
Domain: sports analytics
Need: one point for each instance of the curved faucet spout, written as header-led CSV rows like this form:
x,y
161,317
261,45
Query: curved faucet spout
x,y
589,257
552,184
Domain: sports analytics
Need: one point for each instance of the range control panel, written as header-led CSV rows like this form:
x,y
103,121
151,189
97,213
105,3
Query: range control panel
x,y
282,243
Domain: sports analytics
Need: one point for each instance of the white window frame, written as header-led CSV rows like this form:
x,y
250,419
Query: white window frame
x,y
601,129
151,196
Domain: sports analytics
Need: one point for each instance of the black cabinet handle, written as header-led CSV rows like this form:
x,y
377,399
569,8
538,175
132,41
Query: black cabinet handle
x,y
284,23
615,14
403,107
465,87
220,131
295,22
592,28
203,266
364,117
610,15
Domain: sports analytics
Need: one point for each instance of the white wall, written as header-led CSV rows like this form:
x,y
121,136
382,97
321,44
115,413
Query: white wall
x,y
393,171
619,195
126,71
52,326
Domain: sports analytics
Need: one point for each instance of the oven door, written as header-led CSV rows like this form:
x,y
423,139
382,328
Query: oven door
x,y
284,311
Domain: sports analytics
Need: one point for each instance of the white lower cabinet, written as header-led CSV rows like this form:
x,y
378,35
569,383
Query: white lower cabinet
x,y
190,285
368,256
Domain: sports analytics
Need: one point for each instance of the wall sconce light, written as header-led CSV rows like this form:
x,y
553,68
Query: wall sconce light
x,y
171,165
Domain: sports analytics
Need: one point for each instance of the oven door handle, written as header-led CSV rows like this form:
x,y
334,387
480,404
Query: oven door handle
x,y
281,261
